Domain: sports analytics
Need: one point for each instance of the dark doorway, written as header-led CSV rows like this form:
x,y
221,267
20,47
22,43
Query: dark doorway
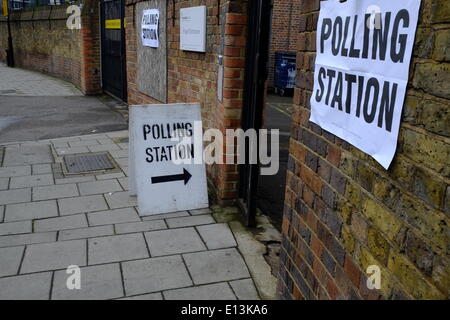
x,y
256,72
113,48
269,86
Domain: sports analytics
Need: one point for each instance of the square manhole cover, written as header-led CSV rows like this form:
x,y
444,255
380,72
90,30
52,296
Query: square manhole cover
x,y
88,163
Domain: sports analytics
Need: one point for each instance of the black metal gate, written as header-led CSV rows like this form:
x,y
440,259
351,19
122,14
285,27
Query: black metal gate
x,y
113,48
256,73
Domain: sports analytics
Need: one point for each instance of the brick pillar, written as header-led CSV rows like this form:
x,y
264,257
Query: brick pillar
x,y
90,48
228,113
344,212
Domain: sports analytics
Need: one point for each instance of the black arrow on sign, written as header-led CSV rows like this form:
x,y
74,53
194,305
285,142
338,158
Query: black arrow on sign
x,y
185,176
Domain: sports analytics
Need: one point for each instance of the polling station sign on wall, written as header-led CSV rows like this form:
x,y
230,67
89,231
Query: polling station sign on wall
x,y
167,171
149,28
364,50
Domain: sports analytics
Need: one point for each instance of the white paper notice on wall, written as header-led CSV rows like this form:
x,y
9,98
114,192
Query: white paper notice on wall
x,y
149,28
167,170
193,29
364,50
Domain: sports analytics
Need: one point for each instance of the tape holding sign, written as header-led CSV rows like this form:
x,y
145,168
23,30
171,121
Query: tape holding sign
x,y
361,74
5,7
149,28
166,152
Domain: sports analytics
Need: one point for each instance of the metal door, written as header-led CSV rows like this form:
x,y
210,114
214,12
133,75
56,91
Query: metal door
x,y
256,73
113,48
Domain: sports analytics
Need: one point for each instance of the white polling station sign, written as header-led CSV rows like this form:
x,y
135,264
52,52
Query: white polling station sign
x,y
149,28
364,50
166,152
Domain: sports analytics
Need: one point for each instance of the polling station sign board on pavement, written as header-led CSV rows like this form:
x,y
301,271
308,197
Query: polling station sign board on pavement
x,y
149,28
166,152
364,50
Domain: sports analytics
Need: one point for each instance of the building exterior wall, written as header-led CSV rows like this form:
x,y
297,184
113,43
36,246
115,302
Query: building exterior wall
x,y
344,212
42,42
285,24
192,76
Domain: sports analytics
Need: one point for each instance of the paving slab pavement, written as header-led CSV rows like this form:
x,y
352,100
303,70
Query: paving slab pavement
x,y
50,220
36,106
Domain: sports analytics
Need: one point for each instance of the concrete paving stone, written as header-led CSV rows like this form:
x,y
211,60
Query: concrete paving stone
x,y
140,226
31,181
10,261
105,141
217,236
151,296
190,221
15,171
103,147
108,176
64,139
74,150
198,212
119,153
61,223
117,248
28,238
245,289
94,136
117,134
27,154
26,287
55,192
31,210
215,266
18,227
15,196
83,143
98,187
217,291
97,283
60,144
165,215
123,162
169,242
85,204
4,183
113,216
154,275
53,256
41,168
91,232
74,180
123,146
124,183
120,200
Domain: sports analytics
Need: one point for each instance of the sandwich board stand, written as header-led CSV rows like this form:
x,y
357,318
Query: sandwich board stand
x,y
167,171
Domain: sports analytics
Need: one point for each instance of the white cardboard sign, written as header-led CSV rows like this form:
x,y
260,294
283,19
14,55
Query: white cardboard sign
x,y
166,168
193,29
149,28
364,50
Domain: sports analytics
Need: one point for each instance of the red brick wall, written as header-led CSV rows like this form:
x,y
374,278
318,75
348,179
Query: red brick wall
x,y
285,24
192,76
344,212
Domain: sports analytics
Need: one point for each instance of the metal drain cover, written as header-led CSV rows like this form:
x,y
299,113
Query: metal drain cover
x,y
87,163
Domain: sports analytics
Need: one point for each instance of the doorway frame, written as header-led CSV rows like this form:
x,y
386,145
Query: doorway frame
x,y
255,80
